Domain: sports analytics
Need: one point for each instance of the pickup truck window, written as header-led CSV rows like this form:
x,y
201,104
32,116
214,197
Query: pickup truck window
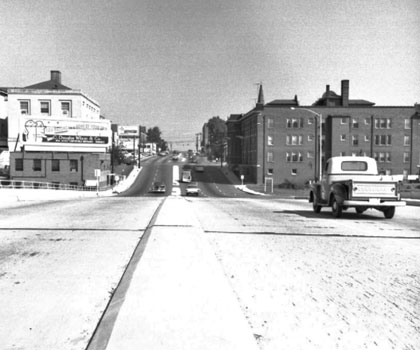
x,y
353,166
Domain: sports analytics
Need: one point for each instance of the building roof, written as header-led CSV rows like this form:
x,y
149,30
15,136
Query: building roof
x,y
48,85
360,103
286,103
234,117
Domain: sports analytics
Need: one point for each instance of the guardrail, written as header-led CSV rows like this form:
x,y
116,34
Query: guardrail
x,y
16,184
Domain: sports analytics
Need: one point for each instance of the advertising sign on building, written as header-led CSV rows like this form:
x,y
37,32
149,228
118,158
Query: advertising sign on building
x,y
54,134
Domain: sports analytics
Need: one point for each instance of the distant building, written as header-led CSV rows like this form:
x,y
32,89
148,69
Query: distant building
x,y
56,134
205,137
278,141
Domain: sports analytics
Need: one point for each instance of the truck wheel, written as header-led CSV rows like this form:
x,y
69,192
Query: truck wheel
x,y
316,206
337,209
360,210
389,212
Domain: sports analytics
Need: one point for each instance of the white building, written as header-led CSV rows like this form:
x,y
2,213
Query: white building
x,y
56,133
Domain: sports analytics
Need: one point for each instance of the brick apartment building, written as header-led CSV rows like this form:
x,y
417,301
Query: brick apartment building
x,y
278,142
55,134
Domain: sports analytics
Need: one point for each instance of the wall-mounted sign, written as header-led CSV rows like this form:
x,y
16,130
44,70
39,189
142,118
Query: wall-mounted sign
x,y
66,131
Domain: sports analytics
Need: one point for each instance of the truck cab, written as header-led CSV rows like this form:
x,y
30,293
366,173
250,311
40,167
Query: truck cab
x,y
354,182
186,176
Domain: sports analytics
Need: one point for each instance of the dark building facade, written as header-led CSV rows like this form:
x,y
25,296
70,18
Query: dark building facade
x,y
279,141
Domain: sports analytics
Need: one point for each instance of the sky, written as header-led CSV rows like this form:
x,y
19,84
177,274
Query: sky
x,y
177,63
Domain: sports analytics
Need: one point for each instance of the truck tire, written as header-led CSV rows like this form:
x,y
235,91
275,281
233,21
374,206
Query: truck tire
x,y
337,208
360,210
389,212
315,205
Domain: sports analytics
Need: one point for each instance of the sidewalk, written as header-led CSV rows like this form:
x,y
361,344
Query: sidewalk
x,y
179,297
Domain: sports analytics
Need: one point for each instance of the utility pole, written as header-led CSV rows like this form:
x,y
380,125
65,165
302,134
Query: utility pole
x,y
139,144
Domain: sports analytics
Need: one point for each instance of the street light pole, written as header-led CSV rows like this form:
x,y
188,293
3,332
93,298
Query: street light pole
x,y
319,137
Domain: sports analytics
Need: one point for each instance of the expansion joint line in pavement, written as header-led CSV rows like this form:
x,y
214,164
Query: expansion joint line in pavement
x,y
69,229
323,235
103,331
172,226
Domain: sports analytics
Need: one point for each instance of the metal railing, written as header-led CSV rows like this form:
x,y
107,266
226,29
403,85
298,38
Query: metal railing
x,y
17,184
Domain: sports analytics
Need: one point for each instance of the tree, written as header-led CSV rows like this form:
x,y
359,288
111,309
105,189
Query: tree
x,y
118,155
217,136
154,136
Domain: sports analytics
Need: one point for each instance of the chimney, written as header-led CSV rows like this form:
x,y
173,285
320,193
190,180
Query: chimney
x,y
56,76
328,88
345,93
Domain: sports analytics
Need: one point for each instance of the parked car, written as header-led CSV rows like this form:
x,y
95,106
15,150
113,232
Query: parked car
x,y
158,187
192,189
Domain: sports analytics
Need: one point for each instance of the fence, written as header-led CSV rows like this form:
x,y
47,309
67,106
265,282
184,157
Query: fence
x,y
16,184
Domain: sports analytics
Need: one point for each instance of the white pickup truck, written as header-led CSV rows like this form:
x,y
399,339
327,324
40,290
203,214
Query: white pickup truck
x,y
354,182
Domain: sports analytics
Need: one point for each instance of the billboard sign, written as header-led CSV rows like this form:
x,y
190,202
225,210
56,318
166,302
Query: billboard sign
x,y
45,132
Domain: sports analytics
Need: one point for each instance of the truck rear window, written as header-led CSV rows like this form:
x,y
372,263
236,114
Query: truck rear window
x,y
354,166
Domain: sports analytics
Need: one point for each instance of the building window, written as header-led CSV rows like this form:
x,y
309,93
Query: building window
x,y
343,120
73,165
310,138
367,138
342,154
343,137
355,123
55,165
407,124
294,140
270,140
355,140
367,121
24,107
270,171
294,172
65,108
18,164
406,157
294,123
383,140
406,140
294,157
36,165
383,123
270,123
310,121
310,155
45,107
270,157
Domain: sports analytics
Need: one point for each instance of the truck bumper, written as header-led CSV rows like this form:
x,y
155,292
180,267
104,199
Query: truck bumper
x,y
373,202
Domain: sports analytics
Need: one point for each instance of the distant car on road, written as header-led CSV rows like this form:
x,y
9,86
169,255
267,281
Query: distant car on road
x,y
158,187
192,189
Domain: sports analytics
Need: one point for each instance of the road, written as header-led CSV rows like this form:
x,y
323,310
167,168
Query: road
x,y
301,280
